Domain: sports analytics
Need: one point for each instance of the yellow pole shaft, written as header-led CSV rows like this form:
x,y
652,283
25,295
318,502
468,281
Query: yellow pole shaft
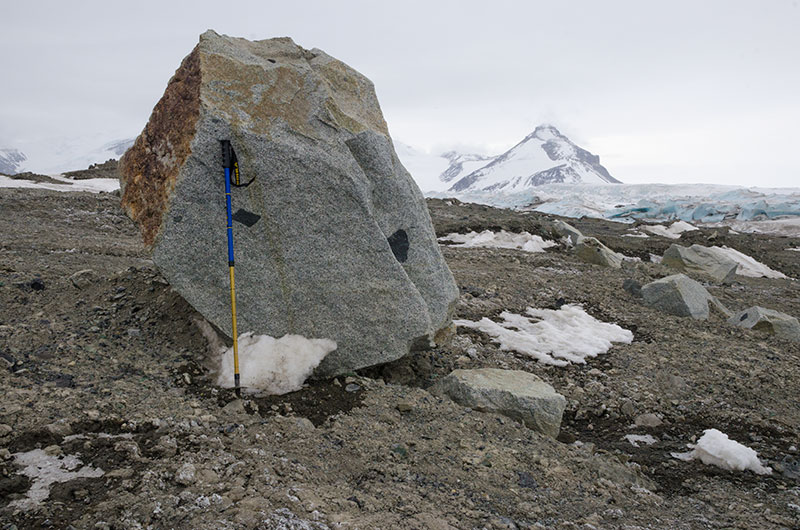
x,y
235,333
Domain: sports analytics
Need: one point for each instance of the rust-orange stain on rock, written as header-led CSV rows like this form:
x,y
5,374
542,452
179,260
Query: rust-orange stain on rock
x,y
150,167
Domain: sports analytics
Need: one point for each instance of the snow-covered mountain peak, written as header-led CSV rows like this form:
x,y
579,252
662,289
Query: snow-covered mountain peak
x,y
543,157
546,132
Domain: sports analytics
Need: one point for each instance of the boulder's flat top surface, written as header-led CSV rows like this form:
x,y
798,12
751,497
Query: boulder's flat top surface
x,y
111,358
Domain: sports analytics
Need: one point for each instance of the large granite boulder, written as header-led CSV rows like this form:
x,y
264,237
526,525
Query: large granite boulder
x,y
332,239
678,295
702,261
769,321
519,395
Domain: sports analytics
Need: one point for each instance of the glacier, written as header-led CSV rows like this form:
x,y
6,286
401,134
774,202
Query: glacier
x,y
774,210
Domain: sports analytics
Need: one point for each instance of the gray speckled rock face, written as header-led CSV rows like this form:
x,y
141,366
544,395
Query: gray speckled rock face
x,y
702,261
678,295
343,246
768,320
513,393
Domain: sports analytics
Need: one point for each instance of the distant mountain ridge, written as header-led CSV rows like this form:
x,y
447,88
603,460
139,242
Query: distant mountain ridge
x,y
11,161
462,164
54,157
543,157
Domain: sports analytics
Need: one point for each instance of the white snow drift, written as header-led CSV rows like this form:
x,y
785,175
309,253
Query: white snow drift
x,y
502,239
44,470
636,439
274,366
715,448
90,185
552,337
673,232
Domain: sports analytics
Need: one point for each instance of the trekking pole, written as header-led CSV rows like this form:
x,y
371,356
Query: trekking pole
x,y
229,162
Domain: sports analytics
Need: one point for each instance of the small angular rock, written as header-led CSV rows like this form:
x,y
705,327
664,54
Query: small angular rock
x,y
519,395
677,295
83,279
567,230
591,250
768,320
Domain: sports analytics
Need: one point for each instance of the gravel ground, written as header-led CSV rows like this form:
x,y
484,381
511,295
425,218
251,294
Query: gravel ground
x,y
116,373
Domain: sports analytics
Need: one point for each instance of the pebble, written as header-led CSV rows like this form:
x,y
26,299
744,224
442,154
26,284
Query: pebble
x,y
122,473
53,450
186,474
627,408
352,387
59,428
234,407
5,430
647,420
404,406
83,279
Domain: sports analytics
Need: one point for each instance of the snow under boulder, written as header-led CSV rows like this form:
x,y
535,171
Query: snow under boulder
x,y
774,322
678,295
333,239
519,395
273,366
702,261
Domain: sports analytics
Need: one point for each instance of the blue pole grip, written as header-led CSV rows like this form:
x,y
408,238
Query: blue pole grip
x,y
230,214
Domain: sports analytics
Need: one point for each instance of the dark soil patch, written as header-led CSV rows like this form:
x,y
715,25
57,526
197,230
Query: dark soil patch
x,y
319,402
673,476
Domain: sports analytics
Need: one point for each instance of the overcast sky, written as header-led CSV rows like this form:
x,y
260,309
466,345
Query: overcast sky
x,y
668,91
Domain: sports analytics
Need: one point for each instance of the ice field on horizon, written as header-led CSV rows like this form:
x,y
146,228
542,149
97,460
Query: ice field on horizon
x,y
768,210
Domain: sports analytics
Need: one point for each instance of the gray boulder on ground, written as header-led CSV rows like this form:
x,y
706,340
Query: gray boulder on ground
x,y
769,320
564,229
591,250
702,261
332,239
513,393
83,279
677,295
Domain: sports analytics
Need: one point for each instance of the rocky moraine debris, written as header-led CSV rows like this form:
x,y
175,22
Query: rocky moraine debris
x,y
111,416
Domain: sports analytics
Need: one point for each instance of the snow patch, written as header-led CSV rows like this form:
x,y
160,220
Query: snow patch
x,y
44,470
90,185
636,233
636,439
747,265
673,232
274,366
715,448
794,249
487,238
556,337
